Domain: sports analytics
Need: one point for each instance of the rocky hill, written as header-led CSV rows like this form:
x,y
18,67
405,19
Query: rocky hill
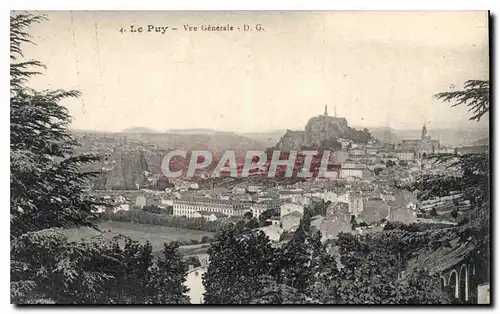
x,y
320,130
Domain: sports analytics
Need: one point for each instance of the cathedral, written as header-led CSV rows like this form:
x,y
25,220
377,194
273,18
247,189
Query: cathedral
x,y
423,146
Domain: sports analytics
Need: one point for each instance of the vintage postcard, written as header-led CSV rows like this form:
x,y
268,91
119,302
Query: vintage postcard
x,y
250,157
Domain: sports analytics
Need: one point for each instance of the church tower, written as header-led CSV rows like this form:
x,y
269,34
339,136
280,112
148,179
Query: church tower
x,y
424,131
326,111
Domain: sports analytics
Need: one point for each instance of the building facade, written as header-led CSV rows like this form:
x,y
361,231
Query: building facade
x,y
189,207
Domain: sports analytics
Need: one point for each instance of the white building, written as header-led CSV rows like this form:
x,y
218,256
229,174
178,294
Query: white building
x,y
121,207
406,156
291,221
195,284
189,207
329,196
194,186
167,201
351,172
140,201
288,208
357,152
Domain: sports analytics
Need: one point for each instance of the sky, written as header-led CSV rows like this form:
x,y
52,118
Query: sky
x,y
373,68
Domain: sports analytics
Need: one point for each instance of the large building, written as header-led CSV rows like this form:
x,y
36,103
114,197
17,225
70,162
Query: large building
x,y
190,206
425,145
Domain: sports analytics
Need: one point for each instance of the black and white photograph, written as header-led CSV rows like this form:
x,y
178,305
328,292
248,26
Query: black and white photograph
x,y
250,158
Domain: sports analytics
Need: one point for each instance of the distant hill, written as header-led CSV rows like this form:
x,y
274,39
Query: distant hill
x,y
139,130
268,137
483,141
189,140
195,131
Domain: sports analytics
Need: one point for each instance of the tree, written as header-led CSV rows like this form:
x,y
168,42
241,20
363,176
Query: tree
x,y
276,293
372,273
331,144
319,208
153,209
205,239
49,190
475,96
264,216
163,183
252,224
93,271
389,163
454,213
467,174
47,186
354,223
168,277
301,258
433,212
378,170
235,261
240,226
194,261
420,287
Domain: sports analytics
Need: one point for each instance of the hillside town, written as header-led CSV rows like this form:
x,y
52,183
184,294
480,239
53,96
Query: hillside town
x,y
191,176
362,198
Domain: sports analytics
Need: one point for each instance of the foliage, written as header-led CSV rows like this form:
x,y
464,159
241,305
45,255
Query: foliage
x,y
48,268
475,96
163,183
371,274
433,212
46,185
275,293
466,174
49,189
331,144
378,170
153,209
246,269
235,261
357,136
168,277
194,261
298,260
389,163
144,217
265,215
252,224
319,208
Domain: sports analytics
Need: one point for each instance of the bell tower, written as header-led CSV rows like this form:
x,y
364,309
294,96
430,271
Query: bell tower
x,y
424,131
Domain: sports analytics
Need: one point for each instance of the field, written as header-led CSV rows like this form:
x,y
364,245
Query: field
x,y
156,235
